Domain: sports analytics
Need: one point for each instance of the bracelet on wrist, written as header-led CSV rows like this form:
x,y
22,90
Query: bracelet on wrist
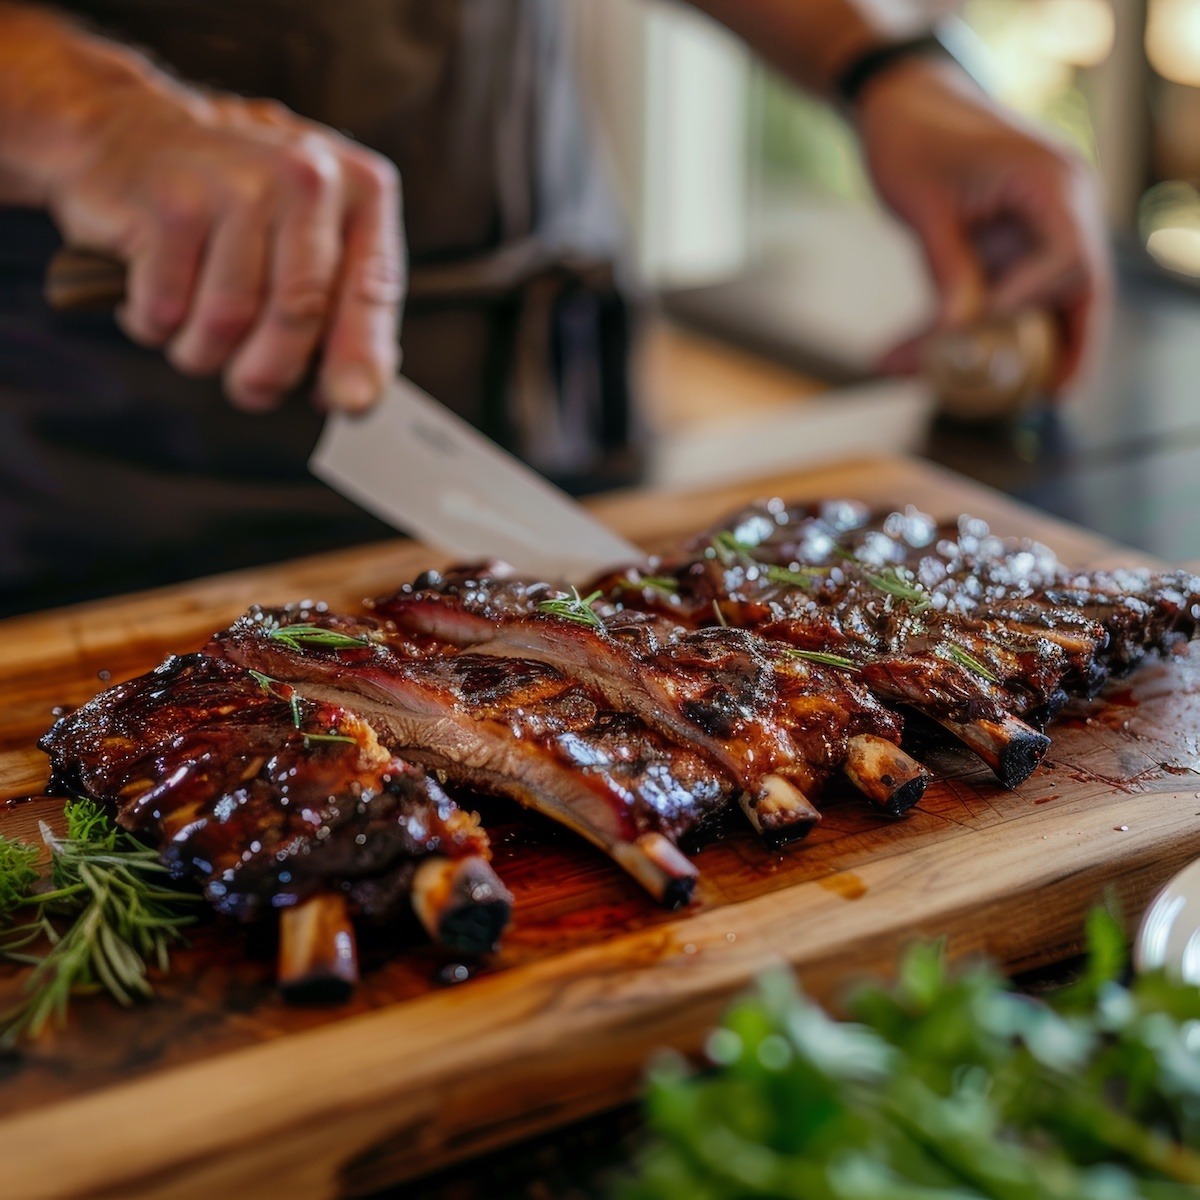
x,y
949,43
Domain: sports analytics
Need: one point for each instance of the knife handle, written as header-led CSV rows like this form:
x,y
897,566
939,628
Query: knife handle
x,y
83,281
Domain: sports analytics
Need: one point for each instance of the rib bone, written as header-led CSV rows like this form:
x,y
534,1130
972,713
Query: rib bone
x,y
461,903
1010,747
884,774
779,811
318,959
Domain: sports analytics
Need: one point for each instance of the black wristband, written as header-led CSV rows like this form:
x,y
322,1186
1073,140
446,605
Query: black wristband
x,y
861,70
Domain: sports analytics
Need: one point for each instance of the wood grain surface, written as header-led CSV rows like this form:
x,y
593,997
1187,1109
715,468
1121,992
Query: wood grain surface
x,y
219,1089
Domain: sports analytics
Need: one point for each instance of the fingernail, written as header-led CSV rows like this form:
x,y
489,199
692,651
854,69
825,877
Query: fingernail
x,y
251,401
352,389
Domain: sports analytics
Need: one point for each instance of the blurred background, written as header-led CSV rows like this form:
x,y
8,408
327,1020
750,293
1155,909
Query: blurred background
x,y
754,224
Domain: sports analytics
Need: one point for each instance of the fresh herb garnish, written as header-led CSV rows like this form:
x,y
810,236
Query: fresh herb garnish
x,y
656,583
107,886
327,737
731,549
716,606
898,582
891,580
288,694
804,577
574,608
18,873
947,1085
296,637
960,656
822,657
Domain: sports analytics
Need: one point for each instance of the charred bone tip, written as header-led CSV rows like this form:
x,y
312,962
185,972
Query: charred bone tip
x,y
461,903
318,957
1021,757
779,811
887,776
659,866
1010,747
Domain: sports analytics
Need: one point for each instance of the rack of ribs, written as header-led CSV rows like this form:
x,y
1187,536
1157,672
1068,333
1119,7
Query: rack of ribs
x,y
297,764
988,637
274,802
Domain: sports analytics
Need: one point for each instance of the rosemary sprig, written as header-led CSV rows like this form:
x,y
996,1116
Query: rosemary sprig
x,y
18,873
960,656
895,581
292,697
804,577
664,584
574,608
822,657
296,637
892,580
120,920
269,686
326,737
731,549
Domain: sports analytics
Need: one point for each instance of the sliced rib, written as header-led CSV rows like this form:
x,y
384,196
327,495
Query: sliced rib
x,y
265,798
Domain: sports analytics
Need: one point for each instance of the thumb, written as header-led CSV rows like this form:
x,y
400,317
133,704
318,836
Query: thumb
x,y
955,264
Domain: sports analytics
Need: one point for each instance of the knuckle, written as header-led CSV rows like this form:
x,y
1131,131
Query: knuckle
x,y
306,169
181,215
247,190
268,111
379,281
377,174
302,304
226,318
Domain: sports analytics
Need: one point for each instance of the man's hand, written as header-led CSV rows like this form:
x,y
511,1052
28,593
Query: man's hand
x,y
959,170
256,242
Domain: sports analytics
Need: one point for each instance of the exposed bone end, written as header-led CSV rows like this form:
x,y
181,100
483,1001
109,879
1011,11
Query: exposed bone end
x,y
779,811
660,867
318,958
1010,747
461,903
887,776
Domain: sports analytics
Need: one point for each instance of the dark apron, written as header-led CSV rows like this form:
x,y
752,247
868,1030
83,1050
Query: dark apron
x,y
116,473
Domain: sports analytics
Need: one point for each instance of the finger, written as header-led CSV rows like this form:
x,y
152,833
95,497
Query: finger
x,y
160,281
361,352
904,359
1068,269
228,296
1044,279
954,262
1070,279
1083,325
304,254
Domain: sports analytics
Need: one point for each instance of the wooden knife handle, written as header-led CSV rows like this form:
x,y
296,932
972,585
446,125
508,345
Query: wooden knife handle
x,y
83,281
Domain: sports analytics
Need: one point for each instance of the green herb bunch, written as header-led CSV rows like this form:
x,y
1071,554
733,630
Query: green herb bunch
x,y
947,1086
100,917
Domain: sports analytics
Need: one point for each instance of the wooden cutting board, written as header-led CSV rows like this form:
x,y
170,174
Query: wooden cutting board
x,y
218,1089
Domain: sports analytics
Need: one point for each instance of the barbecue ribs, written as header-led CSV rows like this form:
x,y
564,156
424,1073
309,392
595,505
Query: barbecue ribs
x,y
756,662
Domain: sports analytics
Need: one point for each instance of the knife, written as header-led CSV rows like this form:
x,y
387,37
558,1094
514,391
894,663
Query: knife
x,y
414,463
417,465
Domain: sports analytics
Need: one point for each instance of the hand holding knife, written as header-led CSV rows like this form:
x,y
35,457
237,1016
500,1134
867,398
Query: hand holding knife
x,y
416,465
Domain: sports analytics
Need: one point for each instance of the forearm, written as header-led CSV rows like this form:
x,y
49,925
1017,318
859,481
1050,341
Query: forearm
x,y
810,41
59,88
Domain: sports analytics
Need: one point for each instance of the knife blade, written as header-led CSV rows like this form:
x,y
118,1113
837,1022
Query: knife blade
x,y
414,463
